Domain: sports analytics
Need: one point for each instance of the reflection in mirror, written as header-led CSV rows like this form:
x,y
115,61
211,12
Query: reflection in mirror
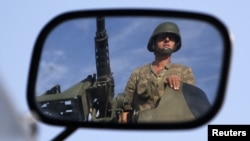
x,y
88,70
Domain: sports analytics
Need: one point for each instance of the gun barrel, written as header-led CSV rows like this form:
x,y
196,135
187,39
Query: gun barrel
x,y
100,24
102,51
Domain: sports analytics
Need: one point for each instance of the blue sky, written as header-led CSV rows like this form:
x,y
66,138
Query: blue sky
x,y
22,21
69,56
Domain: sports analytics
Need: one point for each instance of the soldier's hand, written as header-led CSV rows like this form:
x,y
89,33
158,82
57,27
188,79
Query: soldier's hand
x,y
123,118
174,81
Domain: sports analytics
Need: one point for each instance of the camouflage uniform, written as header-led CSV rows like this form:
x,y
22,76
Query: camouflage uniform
x,y
145,87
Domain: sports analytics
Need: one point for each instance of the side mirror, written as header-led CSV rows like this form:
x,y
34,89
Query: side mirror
x,y
82,61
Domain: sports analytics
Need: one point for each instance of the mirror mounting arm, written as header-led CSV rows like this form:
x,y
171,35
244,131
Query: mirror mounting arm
x,y
64,134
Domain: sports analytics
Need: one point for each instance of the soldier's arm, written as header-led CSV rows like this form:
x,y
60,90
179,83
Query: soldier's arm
x,y
130,90
128,94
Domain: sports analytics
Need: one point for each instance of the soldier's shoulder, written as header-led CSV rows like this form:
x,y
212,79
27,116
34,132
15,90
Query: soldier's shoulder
x,y
176,65
143,68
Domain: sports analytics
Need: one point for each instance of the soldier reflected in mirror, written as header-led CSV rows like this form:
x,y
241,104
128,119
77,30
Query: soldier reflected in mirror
x,y
162,91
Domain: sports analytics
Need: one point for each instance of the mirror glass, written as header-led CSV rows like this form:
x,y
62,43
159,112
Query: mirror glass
x,y
69,57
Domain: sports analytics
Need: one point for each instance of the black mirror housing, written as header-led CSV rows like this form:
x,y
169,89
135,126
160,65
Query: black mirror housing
x,y
91,82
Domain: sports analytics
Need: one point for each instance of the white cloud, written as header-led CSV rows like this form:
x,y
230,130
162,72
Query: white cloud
x,y
50,74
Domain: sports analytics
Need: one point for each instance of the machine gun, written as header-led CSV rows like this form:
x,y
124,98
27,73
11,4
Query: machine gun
x,y
101,95
92,99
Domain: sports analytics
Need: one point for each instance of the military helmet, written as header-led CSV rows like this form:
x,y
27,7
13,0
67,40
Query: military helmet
x,y
166,27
